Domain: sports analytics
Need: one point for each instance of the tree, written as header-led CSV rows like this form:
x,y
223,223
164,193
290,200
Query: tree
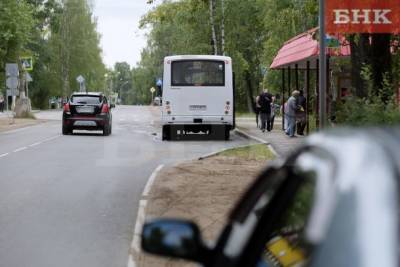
x,y
76,48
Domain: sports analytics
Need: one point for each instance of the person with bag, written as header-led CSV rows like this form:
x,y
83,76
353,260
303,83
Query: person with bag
x,y
301,113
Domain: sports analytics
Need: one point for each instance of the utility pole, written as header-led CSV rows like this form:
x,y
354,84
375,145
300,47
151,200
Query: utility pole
x,y
322,66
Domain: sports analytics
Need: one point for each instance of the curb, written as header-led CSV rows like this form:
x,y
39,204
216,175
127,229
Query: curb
x,y
219,152
259,140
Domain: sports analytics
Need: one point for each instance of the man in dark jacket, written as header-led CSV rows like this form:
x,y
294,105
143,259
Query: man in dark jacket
x,y
264,101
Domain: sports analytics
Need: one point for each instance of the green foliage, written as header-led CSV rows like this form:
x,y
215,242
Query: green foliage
x,y
361,111
283,20
253,152
254,31
62,38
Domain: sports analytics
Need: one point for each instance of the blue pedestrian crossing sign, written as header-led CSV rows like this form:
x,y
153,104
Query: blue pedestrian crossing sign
x,y
159,82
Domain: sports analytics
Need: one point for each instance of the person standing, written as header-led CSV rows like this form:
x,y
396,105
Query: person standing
x,y
257,110
283,111
301,113
264,101
274,108
292,108
1,103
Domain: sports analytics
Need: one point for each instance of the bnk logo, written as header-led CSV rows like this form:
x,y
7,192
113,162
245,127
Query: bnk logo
x,y
362,16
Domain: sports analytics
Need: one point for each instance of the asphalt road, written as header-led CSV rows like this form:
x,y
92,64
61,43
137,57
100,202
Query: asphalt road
x,y
72,200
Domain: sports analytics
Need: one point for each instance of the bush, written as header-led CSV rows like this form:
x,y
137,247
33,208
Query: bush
x,y
378,108
362,111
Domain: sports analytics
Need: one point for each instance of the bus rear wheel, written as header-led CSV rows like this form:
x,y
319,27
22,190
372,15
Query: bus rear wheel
x,y
166,133
227,133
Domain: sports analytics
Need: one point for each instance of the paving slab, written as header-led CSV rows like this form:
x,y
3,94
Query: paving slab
x,y
277,138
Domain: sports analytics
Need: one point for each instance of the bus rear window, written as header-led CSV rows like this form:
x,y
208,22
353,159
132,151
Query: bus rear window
x,y
198,73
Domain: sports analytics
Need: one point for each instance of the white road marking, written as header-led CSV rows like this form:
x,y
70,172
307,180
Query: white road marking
x,y
141,216
131,262
139,226
31,145
150,182
51,138
20,149
35,144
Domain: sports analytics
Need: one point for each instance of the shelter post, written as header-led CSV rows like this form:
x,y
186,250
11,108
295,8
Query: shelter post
x,y
308,97
317,96
297,76
283,99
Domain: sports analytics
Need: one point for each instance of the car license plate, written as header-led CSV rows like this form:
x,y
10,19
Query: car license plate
x,y
85,109
85,123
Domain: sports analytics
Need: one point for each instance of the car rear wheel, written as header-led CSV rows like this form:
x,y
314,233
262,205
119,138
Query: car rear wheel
x,y
66,130
106,130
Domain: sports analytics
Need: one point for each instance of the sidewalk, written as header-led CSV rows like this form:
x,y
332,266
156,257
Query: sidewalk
x,y
8,123
282,144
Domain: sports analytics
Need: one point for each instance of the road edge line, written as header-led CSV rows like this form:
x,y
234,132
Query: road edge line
x,y
141,216
150,181
249,136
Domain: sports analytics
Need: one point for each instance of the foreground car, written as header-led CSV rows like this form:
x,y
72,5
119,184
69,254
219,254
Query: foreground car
x,y
334,202
87,111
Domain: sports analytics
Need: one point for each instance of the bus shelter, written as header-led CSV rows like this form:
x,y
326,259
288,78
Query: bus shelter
x,y
301,55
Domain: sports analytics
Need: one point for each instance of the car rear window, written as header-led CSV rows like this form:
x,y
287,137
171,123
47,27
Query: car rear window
x,y
78,99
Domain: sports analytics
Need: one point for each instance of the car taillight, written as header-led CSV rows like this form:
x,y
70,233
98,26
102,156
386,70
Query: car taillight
x,y
66,108
105,109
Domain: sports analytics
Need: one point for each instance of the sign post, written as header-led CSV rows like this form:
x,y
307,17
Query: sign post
x,y
322,65
152,90
12,82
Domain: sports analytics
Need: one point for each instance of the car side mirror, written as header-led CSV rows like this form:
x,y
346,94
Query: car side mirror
x,y
112,105
174,238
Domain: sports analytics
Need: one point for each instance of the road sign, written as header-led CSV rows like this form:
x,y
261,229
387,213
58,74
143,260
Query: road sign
x,y
80,79
12,70
159,82
362,16
27,63
332,42
152,90
12,82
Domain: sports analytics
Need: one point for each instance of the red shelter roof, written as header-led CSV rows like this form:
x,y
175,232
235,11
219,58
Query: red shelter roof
x,y
305,47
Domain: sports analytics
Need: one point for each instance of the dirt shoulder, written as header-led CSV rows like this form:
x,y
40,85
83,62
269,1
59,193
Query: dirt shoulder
x,y
8,124
204,191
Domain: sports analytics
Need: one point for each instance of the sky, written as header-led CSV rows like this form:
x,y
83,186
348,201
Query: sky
x,y
118,24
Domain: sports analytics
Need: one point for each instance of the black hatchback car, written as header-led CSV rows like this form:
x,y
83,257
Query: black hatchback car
x,y
87,111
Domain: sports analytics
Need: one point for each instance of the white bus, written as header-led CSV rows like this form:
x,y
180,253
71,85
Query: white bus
x,y
198,96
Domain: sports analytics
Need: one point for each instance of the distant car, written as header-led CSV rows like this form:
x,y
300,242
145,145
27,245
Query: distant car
x,y
334,202
87,111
